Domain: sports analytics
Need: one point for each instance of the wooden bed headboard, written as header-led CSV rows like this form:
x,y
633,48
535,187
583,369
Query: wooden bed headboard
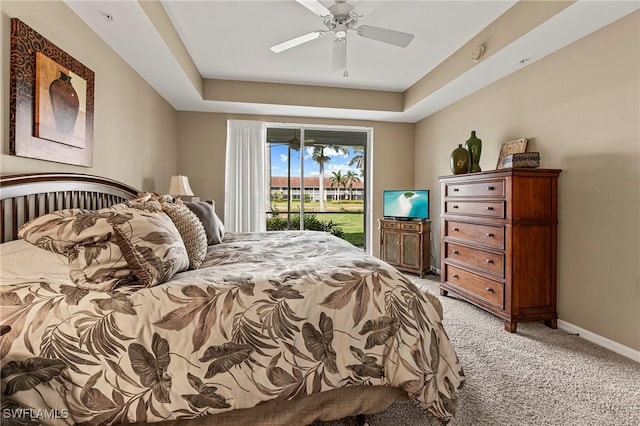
x,y
29,195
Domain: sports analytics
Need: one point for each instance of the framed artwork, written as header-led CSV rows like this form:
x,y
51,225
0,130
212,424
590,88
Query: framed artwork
x,y
51,101
511,147
61,103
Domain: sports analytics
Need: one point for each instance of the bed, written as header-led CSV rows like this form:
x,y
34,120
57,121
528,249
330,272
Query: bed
x,y
270,328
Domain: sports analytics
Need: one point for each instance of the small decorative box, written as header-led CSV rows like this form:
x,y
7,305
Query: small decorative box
x,y
522,159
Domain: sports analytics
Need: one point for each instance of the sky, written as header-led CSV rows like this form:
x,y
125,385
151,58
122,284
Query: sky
x,y
339,161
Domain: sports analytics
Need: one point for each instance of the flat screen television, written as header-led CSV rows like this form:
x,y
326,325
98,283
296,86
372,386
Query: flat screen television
x,y
406,204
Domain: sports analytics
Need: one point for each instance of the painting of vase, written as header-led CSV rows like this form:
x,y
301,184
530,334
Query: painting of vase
x,y
60,103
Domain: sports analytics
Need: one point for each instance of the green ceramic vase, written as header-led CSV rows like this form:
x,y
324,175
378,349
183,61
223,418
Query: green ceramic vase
x,y
474,146
460,160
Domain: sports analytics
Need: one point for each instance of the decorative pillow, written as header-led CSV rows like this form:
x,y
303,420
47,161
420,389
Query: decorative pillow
x,y
207,215
151,245
220,226
217,218
61,230
107,247
84,236
99,266
149,206
191,230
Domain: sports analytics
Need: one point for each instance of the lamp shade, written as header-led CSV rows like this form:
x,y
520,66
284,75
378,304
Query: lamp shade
x,y
179,186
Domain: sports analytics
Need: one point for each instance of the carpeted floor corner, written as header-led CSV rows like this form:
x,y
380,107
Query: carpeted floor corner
x,y
537,376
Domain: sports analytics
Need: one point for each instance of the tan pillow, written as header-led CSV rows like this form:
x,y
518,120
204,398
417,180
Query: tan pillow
x,y
146,205
191,230
84,236
61,230
152,246
107,247
99,266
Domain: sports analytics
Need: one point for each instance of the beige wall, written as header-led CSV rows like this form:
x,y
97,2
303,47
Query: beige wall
x,y
203,138
135,129
580,108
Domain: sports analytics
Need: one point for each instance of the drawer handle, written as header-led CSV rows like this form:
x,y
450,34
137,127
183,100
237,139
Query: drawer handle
x,y
455,276
455,207
490,188
490,262
489,208
456,189
489,234
490,290
456,229
455,252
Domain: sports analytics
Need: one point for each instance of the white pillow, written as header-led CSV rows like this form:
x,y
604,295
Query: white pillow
x,y
21,261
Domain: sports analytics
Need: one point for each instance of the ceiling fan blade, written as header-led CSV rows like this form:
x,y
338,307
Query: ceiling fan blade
x,y
384,35
297,41
316,7
339,54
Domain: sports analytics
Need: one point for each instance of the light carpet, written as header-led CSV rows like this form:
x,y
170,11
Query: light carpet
x,y
537,376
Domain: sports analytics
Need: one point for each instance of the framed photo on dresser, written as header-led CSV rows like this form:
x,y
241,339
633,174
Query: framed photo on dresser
x,y
512,147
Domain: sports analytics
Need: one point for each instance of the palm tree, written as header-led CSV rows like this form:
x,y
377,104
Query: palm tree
x,y
318,156
338,180
358,158
350,178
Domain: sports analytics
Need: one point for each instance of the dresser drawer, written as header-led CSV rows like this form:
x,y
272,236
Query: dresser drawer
x,y
484,260
405,226
408,226
485,235
494,209
486,289
493,188
391,225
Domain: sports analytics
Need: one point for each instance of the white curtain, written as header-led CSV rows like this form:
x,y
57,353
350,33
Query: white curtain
x,y
245,177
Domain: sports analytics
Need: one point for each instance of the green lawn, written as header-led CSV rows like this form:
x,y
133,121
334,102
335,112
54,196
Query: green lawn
x,y
351,224
343,214
314,206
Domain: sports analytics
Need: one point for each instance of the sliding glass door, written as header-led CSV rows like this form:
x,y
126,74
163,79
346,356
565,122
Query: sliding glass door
x,y
283,153
318,180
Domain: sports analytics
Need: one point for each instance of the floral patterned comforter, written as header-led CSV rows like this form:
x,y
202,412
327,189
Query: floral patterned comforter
x,y
268,316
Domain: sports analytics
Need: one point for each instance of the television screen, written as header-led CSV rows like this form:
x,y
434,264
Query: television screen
x,y
406,204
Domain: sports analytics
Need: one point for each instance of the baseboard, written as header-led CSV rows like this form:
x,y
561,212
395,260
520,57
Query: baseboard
x,y
587,335
600,341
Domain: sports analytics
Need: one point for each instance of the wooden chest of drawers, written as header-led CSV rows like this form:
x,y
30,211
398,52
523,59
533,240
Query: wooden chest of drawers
x,y
498,242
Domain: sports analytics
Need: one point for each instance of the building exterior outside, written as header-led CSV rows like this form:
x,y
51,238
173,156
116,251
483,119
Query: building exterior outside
x,y
280,189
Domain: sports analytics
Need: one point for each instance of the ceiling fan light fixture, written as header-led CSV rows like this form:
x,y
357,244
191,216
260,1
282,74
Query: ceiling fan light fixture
x,y
340,54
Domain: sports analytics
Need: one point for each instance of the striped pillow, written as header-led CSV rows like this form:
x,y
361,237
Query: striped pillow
x,y
191,230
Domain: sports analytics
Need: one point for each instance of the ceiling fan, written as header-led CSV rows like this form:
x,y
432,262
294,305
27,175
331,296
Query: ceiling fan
x,y
340,19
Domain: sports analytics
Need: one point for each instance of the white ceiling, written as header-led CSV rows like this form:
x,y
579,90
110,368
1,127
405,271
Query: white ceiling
x,y
244,31
230,40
